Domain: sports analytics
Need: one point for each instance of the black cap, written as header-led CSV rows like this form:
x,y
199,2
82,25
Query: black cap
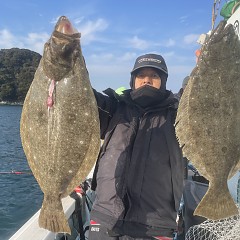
x,y
151,60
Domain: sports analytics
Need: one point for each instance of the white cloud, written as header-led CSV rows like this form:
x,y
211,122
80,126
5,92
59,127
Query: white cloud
x,y
183,19
191,38
36,41
101,58
128,56
170,43
138,43
90,29
79,20
7,39
169,54
33,41
33,37
141,44
54,20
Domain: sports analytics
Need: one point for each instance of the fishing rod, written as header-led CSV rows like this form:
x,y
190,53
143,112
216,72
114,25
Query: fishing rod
x,y
16,172
215,9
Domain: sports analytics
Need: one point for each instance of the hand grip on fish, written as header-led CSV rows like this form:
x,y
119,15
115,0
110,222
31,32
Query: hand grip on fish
x,y
60,124
208,119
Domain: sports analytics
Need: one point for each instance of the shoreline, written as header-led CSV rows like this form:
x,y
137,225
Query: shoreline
x,y
4,103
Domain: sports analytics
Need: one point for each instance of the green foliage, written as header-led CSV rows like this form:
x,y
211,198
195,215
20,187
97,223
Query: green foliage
x,y
17,69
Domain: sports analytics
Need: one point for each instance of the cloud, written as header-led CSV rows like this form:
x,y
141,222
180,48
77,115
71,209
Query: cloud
x,y
183,19
90,29
170,43
78,20
7,39
138,43
191,38
169,54
128,56
33,41
54,20
101,58
36,41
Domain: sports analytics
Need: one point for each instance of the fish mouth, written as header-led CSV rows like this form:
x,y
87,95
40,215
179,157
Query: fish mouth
x,y
65,36
61,49
64,26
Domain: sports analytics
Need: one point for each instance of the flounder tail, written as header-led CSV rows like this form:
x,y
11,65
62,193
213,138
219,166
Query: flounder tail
x,y
52,216
217,203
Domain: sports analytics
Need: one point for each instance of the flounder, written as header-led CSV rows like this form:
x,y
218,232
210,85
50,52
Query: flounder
x,y
60,124
208,119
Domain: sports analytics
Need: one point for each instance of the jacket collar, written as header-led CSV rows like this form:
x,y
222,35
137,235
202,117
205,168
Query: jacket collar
x,y
170,102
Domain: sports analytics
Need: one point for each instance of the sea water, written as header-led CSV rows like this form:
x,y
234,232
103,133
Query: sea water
x,y
20,195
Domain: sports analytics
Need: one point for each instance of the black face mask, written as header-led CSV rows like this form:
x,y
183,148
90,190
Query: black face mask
x,y
147,96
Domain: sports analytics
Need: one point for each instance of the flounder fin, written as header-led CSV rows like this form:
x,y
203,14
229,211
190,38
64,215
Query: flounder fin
x,y
182,119
52,216
217,204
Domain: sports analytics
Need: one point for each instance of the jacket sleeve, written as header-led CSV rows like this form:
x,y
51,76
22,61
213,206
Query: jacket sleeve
x,y
106,108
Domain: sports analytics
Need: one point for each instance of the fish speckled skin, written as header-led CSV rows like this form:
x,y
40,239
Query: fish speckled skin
x,y
208,119
62,141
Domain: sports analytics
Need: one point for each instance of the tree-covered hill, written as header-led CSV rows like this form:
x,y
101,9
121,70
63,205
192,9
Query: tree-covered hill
x,y
17,69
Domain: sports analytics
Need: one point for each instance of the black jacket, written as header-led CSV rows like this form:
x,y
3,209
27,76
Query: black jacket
x,y
139,173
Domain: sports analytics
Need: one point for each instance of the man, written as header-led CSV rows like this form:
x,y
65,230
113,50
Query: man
x,y
139,173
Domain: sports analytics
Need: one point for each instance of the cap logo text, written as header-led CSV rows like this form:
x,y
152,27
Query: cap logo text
x,y
149,60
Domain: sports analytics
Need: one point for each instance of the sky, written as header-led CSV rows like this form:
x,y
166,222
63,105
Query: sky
x,y
114,33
